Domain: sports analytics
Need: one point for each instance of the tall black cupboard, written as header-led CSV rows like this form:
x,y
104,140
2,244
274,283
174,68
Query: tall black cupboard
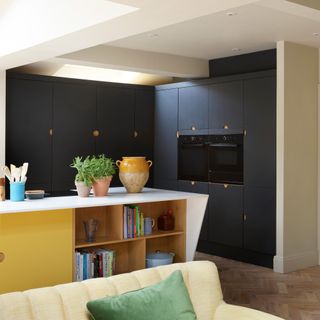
x,y
240,220
51,120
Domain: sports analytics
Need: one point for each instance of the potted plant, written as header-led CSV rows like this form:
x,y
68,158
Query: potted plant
x,y
101,169
83,180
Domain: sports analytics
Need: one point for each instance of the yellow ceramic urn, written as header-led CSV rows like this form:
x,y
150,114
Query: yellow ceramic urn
x,y
134,173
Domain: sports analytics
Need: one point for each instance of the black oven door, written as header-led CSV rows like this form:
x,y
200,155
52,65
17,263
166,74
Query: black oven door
x,y
192,158
226,163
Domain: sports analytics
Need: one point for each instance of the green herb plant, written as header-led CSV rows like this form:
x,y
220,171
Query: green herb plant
x,y
101,167
84,170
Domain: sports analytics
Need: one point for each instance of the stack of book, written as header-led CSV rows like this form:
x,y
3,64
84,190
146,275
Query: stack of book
x,y
93,263
132,222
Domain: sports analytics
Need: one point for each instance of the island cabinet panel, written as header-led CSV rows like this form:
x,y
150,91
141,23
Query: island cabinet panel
x,y
226,106
193,108
73,124
115,120
165,138
226,214
260,139
38,249
259,226
203,188
28,123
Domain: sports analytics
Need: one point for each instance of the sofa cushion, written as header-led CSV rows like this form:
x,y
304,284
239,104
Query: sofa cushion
x,y
168,299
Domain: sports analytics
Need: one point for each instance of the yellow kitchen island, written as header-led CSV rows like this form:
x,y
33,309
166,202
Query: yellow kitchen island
x,y
38,238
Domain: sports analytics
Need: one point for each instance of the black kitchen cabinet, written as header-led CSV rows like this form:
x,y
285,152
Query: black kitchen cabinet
x,y
226,106
193,108
28,123
74,120
165,136
260,126
259,226
198,187
115,120
166,184
226,214
144,127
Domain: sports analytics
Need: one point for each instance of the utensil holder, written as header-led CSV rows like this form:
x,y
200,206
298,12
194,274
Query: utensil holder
x,y
17,190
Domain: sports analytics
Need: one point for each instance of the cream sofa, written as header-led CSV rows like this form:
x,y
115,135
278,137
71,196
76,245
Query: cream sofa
x,y
68,301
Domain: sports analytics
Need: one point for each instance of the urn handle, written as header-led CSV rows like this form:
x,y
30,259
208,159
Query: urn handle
x,y
149,163
118,163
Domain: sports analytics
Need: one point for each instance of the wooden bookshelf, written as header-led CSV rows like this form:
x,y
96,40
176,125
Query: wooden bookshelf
x,y
131,253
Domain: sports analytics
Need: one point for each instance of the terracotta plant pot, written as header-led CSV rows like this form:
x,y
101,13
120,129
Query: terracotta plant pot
x,y
83,190
101,186
134,173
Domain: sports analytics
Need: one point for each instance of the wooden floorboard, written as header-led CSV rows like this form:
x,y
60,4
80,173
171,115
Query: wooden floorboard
x,y
292,296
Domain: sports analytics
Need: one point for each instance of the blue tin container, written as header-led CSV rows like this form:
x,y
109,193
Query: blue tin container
x,y
17,190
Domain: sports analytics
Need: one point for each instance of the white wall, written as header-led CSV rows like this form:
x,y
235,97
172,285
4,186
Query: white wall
x,y
2,115
297,152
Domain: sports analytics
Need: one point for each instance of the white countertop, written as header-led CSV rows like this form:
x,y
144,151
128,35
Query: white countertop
x,y
115,196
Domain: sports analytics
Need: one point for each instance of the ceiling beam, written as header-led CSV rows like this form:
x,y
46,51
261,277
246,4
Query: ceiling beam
x,y
139,61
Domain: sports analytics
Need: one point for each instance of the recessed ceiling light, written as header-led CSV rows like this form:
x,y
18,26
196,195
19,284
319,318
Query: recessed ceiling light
x,y
231,13
235,49
153,35
316,34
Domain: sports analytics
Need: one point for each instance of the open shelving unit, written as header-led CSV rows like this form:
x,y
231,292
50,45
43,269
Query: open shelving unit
x,y
131,253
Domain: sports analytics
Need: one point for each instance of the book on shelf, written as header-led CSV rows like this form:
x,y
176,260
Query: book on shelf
x,y
133,225
93,263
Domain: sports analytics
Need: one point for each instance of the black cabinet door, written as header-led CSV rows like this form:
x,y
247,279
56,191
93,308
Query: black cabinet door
x,y
115,121
193,108
166,184
28,121
260,222
165,136
226,106
73,124
260,126
144,127
226,214
198,187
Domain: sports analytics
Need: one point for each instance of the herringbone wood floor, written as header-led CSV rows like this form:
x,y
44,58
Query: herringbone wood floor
x,y
292,296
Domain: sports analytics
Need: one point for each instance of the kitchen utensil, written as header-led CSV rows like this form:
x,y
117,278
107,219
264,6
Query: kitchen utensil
x,y
158,258
13,171
18,174
7,172
24,171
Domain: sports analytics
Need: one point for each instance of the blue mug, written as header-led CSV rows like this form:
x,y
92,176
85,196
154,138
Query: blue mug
x,y
17,190
148,225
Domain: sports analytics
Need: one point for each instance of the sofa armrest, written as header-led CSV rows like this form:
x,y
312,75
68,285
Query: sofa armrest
x,y
229,312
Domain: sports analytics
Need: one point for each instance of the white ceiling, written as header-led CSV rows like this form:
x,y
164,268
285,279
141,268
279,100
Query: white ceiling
x,y
254,27
168,37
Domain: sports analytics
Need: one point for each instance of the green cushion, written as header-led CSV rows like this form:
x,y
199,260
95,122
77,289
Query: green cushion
x,y
166,300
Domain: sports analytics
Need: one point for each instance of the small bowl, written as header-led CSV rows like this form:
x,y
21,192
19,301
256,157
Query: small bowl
x,y
34,194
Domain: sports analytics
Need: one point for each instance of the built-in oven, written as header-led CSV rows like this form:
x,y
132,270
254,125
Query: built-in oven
x,y
193,157
213,158
226,158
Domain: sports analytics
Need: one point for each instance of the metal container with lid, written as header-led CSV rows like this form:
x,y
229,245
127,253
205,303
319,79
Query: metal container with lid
x,y
158,258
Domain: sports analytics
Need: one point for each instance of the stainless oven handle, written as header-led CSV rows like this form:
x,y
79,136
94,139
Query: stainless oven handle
x,y
197,145
223,145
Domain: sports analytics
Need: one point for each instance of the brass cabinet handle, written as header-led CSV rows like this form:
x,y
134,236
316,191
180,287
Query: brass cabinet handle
x,y
50,132
226,126
96,133
244,132
178,134
225,186
193,183
2,256
244,217
193,128
135,133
